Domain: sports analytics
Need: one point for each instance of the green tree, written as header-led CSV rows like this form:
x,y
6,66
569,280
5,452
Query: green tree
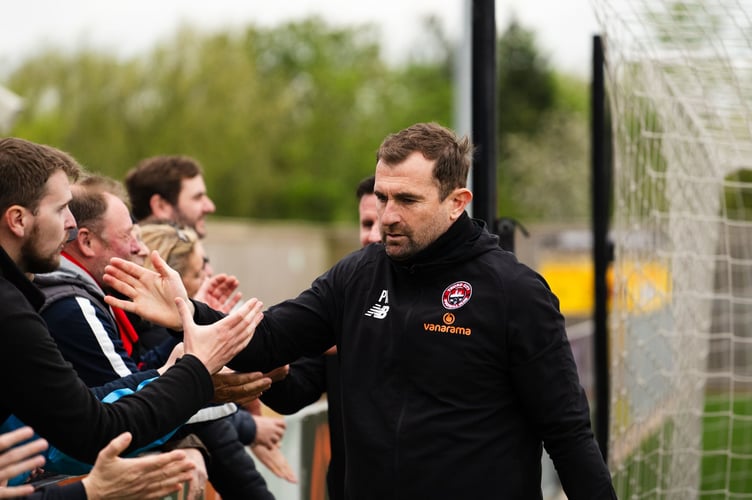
x,y
542,134
526,86
285,120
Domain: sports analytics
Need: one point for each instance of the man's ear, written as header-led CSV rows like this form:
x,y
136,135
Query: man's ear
x,y
459,199
160,208
18,220
83,242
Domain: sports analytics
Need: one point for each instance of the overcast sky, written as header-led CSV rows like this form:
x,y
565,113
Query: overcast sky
x,y
564,28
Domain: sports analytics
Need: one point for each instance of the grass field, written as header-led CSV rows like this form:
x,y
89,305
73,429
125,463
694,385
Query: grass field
x,y
727,447
726,467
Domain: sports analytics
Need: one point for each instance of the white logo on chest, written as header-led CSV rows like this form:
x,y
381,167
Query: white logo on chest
x,y
381,308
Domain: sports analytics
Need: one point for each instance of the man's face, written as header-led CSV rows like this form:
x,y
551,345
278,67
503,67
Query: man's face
x,y
49,226
117,237
369,220
410,212
193,205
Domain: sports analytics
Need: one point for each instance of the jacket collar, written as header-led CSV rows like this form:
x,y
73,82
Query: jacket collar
x,y
71,272
11,272
458,243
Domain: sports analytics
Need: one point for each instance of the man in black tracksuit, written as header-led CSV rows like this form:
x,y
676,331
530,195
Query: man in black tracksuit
x,y
455,364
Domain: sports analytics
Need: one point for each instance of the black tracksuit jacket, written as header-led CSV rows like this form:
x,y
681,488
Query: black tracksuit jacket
x,y
455,371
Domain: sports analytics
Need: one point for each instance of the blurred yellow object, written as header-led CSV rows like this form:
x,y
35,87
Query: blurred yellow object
x,y
640,287
571,279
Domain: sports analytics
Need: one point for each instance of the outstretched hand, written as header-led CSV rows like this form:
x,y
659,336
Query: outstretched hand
x,y
240,388
216,344
220,292
152,293
15,461
147,477
269,430
275,461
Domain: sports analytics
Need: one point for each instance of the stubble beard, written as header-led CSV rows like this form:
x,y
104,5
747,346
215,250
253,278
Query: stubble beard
x,y
403,250
198,225
412,242
32,260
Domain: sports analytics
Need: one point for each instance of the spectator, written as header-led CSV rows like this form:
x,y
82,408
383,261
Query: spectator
x,y
181,249
368,215
170,188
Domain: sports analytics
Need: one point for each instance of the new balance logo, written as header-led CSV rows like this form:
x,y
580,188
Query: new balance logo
x,y
378,311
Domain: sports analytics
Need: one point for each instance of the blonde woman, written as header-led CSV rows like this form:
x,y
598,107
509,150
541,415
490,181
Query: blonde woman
x,y
181,249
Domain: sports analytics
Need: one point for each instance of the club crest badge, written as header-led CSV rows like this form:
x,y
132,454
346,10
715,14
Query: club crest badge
x,y
456,295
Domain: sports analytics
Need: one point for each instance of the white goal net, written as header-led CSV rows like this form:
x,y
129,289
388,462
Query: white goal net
x,y
679,84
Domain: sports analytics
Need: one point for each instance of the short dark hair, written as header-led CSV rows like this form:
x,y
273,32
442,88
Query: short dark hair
x,y
25,167
162,175
365,187
452,155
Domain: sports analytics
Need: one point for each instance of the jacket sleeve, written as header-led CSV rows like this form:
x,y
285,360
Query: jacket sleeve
x,y
303,386
88,337
546,380
245,425
46,393
131,382
205,315
89,340
304,326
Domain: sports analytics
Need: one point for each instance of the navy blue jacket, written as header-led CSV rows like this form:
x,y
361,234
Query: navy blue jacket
x,y
85,330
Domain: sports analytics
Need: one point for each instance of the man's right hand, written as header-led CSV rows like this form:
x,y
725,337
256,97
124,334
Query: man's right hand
x,y
220,292
240,388
216,344
152,293
151,476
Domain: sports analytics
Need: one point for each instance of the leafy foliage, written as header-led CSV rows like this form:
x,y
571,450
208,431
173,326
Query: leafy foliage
x,y
286,120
